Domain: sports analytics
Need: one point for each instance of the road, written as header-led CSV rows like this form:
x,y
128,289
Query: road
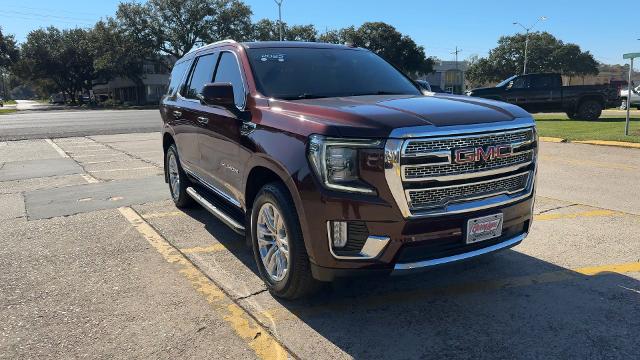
x,y
97,262
54,124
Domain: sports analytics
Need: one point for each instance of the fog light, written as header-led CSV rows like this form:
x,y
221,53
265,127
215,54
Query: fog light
x,y
339,233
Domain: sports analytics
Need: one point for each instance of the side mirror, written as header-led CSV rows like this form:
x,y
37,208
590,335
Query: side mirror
x,y
509,85
220,94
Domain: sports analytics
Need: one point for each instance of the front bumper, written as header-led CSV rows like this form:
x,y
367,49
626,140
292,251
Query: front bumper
x,y
420,244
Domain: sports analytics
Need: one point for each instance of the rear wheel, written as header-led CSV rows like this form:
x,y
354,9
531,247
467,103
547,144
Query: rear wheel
x,y
589,110
178,181
278,245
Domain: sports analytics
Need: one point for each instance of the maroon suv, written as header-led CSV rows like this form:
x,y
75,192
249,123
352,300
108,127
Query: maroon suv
x,y
334,163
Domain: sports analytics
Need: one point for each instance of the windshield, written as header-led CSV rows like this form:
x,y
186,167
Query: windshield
x,y
505,82
304,73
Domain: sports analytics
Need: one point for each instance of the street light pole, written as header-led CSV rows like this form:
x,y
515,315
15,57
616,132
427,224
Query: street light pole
x,y
279,3
526,40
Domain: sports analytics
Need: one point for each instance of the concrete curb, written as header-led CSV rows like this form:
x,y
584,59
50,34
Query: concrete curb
x,y
610,143
622,144
552,139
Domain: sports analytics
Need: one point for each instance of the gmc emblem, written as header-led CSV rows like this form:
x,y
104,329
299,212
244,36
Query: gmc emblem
x,y
482,154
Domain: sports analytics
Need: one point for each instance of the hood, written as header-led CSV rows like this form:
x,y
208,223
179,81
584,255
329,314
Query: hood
x,y
377,116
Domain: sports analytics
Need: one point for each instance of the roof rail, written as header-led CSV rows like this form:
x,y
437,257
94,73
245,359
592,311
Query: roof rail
x,y
226,41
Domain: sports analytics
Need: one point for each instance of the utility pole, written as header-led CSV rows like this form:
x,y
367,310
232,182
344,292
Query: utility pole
x,y
279,3
458,51
526,41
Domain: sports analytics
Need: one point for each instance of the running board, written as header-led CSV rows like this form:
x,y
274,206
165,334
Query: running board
x,y
217,212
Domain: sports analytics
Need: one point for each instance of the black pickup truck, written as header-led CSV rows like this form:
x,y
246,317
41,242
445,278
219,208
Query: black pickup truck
x,y
545,93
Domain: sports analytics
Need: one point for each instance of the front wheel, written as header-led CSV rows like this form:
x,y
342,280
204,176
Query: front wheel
x,y
278,245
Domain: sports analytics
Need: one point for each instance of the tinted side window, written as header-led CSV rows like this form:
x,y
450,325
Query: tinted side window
x,y
202,74
176,77
229,72
543,82
521,83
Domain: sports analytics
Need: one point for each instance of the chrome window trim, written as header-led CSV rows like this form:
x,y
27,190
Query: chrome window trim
x,y
469,199
403,268
214,189
372,248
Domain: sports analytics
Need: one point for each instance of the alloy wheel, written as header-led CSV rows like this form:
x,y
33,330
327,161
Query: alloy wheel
x,y
273,243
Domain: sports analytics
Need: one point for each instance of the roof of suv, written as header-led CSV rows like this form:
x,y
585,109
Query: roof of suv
x,y
293,44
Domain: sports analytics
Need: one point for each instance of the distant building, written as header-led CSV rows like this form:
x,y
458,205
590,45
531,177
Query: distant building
x,y
448,76
122,90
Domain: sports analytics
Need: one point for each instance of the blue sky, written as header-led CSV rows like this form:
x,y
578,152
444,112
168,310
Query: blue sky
x,y
439,26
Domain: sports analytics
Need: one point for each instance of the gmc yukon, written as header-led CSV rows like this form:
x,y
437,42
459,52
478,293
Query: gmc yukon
x,y
545,93
332,162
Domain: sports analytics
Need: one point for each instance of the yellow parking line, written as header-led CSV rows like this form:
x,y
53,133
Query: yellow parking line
x,y
163,214
591,213
259,339
281,313
204,249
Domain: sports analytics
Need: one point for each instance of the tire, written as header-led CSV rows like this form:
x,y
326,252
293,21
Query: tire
x,y
623,106
296,281
177,179
589,110
572,115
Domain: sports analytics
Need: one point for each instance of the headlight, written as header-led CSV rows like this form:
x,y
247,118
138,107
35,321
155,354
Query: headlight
x,y
335,162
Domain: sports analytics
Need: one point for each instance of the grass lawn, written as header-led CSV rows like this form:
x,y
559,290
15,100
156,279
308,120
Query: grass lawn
x,y
7,111
9,102
608,127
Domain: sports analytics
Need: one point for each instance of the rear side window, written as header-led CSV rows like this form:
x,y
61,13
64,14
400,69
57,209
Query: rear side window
x,y
202,74
176,77
229,72
543,82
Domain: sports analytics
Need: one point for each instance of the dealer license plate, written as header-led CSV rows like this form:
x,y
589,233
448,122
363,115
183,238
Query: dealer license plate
x,y
484,228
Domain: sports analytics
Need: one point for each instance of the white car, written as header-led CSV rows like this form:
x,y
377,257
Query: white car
x,y
635,97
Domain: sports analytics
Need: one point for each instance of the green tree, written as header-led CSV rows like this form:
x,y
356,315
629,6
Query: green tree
x,y
9,51
119,52
176,26
267,30
59,60
545,53
384,40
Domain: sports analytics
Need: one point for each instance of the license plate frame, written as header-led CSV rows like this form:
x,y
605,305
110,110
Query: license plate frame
x,y
484,228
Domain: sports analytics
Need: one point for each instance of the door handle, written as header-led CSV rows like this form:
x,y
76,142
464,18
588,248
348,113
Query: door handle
x,y
177,114
203,120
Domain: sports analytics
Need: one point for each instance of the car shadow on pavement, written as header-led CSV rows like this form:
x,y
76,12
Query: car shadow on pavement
x,y
505,305
508,305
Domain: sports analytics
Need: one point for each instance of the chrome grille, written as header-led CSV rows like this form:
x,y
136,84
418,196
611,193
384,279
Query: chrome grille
x,y
417,147
437,170
441,196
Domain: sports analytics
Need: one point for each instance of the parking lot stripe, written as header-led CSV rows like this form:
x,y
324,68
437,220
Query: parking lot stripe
x,y
592,213
90,179
246,327
57,148
375,301
163,214
204,249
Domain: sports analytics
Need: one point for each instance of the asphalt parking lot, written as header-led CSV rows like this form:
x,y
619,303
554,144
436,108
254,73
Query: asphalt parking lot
x,y
97,262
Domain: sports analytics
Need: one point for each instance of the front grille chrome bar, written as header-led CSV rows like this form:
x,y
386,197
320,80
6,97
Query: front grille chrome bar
x,y
428,153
